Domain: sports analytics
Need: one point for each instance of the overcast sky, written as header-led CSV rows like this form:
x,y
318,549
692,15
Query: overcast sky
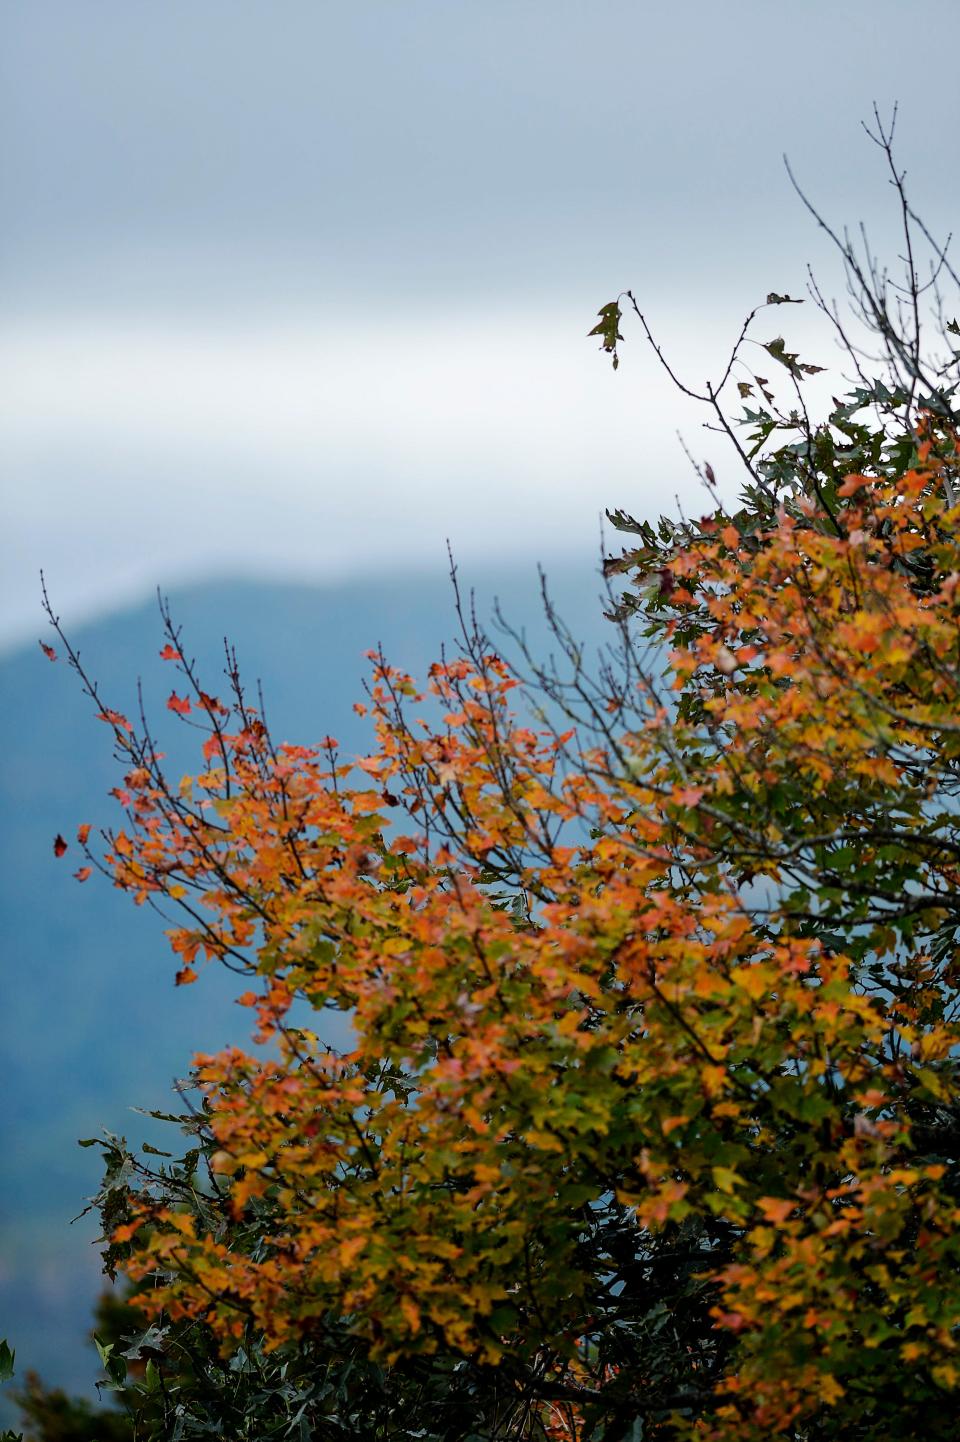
x,y
300,288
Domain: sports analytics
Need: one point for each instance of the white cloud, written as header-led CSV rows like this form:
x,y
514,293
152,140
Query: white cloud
x,y
145,451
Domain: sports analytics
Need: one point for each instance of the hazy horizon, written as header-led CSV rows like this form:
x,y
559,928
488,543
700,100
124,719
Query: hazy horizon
x,y
306,292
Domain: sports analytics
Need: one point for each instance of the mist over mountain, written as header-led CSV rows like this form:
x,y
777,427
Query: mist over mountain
x,y
92,1023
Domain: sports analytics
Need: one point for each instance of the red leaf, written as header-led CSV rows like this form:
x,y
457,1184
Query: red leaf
x,y
83,832
735,1321
169,653
122,796
59,845
48,651
180,704
83,873
185,976
115,719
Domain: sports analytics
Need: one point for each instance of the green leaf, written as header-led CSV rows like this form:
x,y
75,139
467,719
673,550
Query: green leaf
x,y
797,368
608,328
7,1355
153,1338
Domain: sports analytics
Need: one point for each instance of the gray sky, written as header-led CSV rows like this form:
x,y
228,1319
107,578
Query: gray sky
x,y
301,288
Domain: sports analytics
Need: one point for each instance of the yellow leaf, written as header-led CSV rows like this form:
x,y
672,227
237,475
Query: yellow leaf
x,y
544,1141
252,1160
753,980
725,1179
830,1389
411,1312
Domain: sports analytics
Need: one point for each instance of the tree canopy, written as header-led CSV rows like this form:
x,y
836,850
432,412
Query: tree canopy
x,y
650,1125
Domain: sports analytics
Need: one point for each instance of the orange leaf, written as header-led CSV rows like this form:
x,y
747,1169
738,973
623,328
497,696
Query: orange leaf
x,y
125,1231
776,1209
114,718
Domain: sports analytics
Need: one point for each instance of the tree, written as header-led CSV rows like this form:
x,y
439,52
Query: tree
x,y
651,1125
50,1414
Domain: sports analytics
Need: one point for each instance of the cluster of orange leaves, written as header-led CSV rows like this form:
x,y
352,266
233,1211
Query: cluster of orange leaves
x,y
561,989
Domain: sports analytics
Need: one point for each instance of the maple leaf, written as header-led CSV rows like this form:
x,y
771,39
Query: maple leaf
x,y
179,704
59,845
725,1178
690,795
114,718
83,873
48,651
170,653
776,1209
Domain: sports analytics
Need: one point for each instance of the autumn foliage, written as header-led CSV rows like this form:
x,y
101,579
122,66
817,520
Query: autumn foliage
x,y
649,1125
651,1109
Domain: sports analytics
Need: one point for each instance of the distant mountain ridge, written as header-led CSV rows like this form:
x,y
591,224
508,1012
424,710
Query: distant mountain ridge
x,y
91,1022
